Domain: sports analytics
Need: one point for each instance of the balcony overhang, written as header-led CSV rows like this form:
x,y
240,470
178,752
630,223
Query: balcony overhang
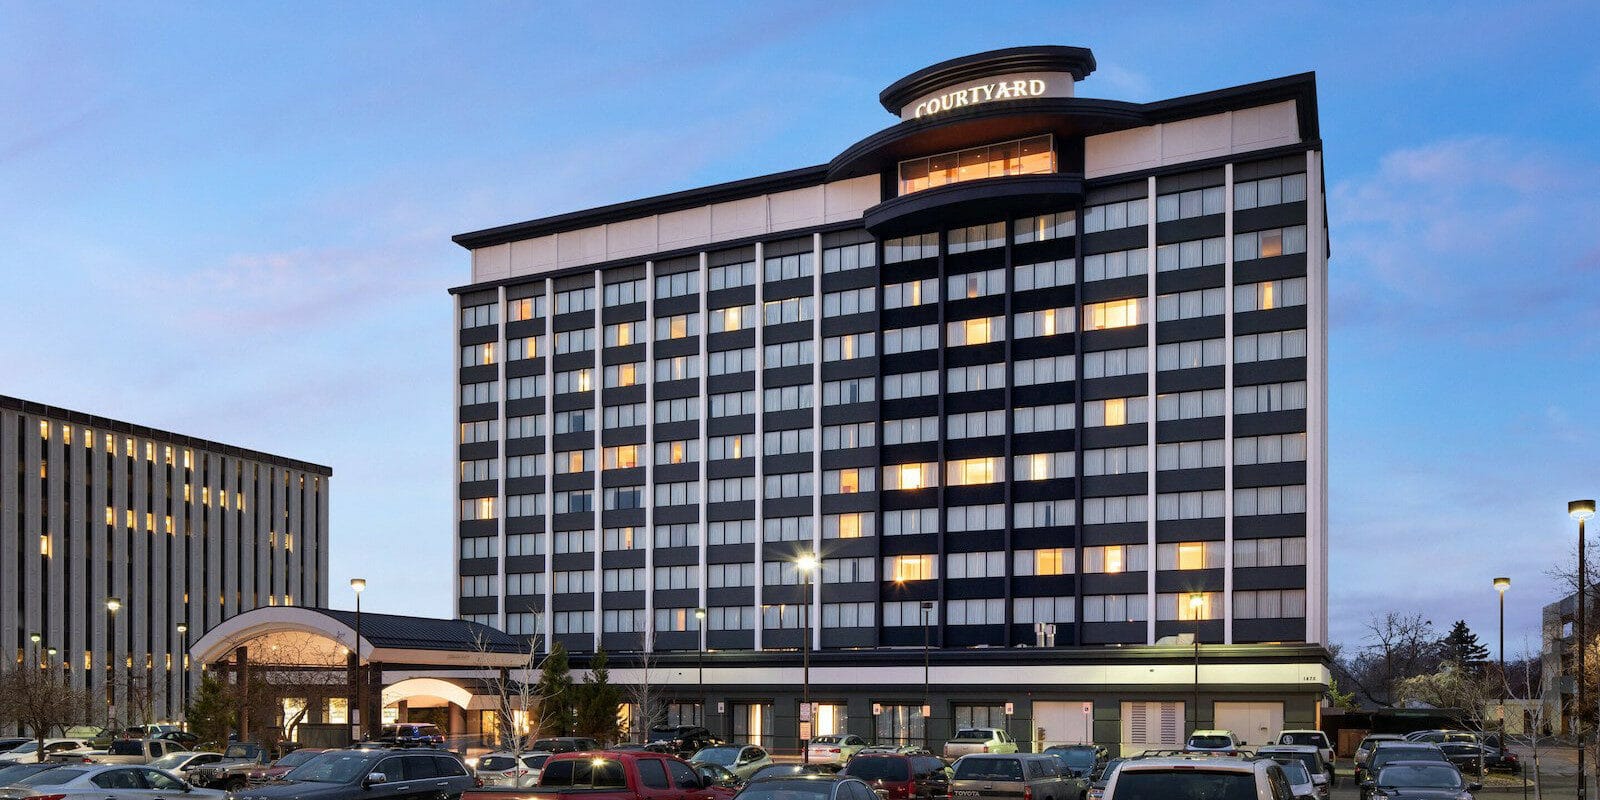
x,y
968,202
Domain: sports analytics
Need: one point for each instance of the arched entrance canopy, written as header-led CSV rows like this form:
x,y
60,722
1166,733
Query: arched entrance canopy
x,y
389,638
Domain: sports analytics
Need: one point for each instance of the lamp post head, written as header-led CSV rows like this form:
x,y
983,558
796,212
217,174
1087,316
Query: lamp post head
x,y
1197,600
699,613
358,584
34,637
1580,509
183,627
1502,584
51,651
113,604
926,605
806,562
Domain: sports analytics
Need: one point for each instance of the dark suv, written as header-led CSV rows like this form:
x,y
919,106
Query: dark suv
x,y
401,774
685,740
412,734
564,744
900,777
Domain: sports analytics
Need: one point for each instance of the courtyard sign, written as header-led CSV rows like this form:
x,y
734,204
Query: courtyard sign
x,y
989,90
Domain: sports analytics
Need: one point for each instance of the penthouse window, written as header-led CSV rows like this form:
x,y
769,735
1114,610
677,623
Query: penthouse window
x,y
1031,156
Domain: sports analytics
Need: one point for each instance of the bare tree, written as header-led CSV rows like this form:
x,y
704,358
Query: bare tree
x,y
1397,646
42,701
518,710
648,699
1534,717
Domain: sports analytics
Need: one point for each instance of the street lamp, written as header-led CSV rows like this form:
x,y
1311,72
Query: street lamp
x,y
183,671
358,585
806,564
1581,510
1197,601
35,638
113,605
700,668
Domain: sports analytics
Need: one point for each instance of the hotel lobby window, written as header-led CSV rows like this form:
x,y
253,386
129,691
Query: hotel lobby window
x,y
1020,157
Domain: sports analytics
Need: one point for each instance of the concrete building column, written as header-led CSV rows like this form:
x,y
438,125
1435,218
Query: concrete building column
x,y
241,684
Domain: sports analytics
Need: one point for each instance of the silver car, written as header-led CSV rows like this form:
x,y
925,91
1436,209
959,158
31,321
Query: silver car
x,y
740,759
511,769
107,782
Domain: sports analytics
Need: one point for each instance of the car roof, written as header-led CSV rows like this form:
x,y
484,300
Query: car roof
x,y
1413,763
1179,762
1404,744
1216,732
1288,748
1300,730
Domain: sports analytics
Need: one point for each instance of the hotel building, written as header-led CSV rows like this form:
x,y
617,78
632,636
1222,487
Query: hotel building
x,y
181,531
1040,379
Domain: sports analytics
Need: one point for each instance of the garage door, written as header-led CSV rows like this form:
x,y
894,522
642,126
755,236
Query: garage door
x,y
1253,723
1151,726
1062,723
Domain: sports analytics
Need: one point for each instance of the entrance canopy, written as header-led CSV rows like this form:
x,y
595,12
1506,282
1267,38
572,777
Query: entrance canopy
x,y
318,636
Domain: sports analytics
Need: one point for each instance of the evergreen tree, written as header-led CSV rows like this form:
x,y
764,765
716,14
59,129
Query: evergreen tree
x,y
555,694
597,702
211,714
1461,645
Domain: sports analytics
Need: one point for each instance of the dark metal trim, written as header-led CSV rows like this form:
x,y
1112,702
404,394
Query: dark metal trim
x,y
1033,58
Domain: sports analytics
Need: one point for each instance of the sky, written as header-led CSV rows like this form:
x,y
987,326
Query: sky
x,y
233,221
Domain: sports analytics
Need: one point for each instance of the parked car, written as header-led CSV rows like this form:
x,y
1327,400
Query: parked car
x,y
1212,741
1370,742
1437,735
714,775
282,766
1388,752
138,751
511,769
1419,780
1025,775
684,739
1084,760
411,734
834,749
1301,781
1468,755
781,770
346,774
183,761
53,748
901,777
1189,777
646,747
1310,737
608,775
185,738
10,743
105,782
742,760
806,787
1097,789
1309,756
564,744
233,771
12,773
979,740
898,749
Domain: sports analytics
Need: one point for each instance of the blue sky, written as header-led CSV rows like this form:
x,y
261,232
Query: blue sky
x,y
233,220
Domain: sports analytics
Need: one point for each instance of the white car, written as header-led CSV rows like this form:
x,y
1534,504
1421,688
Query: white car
x,y
1213,742
1200,776
509,769
834,749
53,748
1308,737
113,782
184,760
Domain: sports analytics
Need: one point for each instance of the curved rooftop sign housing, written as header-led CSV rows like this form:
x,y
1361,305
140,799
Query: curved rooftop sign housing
x,y
1015,73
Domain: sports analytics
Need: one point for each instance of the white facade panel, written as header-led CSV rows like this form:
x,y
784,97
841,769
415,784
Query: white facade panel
x,y
1187,140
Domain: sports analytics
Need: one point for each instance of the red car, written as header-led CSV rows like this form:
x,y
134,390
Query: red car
x,y
610,775
281,767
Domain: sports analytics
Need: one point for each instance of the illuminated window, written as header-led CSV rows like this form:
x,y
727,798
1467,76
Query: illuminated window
x,y
1114,559
44,545
847,526
1048,322
44,429
910,476
976,331
477,354
188,459
1189,606
624,374
1191,555
188,493
732,319
111,516
1117,411
1114,314
622,457
970,471
921,567
150,452
1050,561
573,461
1019,157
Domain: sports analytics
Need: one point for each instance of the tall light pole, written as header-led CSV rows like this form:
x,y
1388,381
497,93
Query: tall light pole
x,y
1196,602
925,607
700,668
183,670
806,564
113,605
35,638
1581,510
358,723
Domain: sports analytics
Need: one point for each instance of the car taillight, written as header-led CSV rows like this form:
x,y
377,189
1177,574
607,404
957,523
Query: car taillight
x,y
986,749
835,750
1027,793
45,797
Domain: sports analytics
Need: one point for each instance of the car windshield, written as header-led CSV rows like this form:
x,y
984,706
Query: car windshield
x,y
721,756
10,773
1295,771
26,748
972,733
1111,769
1309,739
869,768
51,777
171,760
496,763
787,789
535,762
1210,741
1188,784
239,751
1384,755
827,740
333,767
296,758
1076,756
1307,760
1421,776
989,769
126,747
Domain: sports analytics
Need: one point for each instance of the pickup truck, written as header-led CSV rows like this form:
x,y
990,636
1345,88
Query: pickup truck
x,y
979,740
610,775
233,772
136,751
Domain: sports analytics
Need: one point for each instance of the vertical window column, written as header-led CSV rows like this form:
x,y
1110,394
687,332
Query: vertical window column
x,y
1227,406
1317,405
500,452
649,459
548,458
813,618
705,453
599,411
760,450
1150,394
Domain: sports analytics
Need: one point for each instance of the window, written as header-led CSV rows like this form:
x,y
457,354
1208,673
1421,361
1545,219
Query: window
x,y
685,577
680,326
525,583
1110,510
1112,363
524,623
623,580
991,517
989,564
853,525
721,448
1052,369
730,618
1119,264
789,398
780,616
524,348
910,248
631,374
1266,500
627,620
795,440
1269,397
728,362
908,522
483,469
526,308
678,451
480,585
573,622
677,368
782,268
1274,449
1183,606
575,380
1190,204
579,501
680,493
911,293
977,237
910,476
1019,157
525,544
788,354
730,490
628,538
910,567
677,284
1113,559
1269,346
1189,505
576,421
911,384
849,481
579,541
909,613
1114,411
1284,552
667,619
1189,555
1269,604
973,471
990,611
1027,610
1190,305
729,576
478,547
1115,216
676,410
976,331
789,484
524,505
1191,254
524,427
1269,294
731,404
680,535
1189,455
907,431
624,333
854,390
478,316
1115,608
474,393
848,257
853,345
795,309
1049,561
1048,322
569,461
1045,227
478,354
1189,405
478,508
729,276
733,318
1269,243
976,378
848,615
1115,314
907,340
620,294
1038,419
738,531
525,387
486,431
622,456
1190,355
575,341
852,301
782,573
1116,460
1269,191
1043,466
